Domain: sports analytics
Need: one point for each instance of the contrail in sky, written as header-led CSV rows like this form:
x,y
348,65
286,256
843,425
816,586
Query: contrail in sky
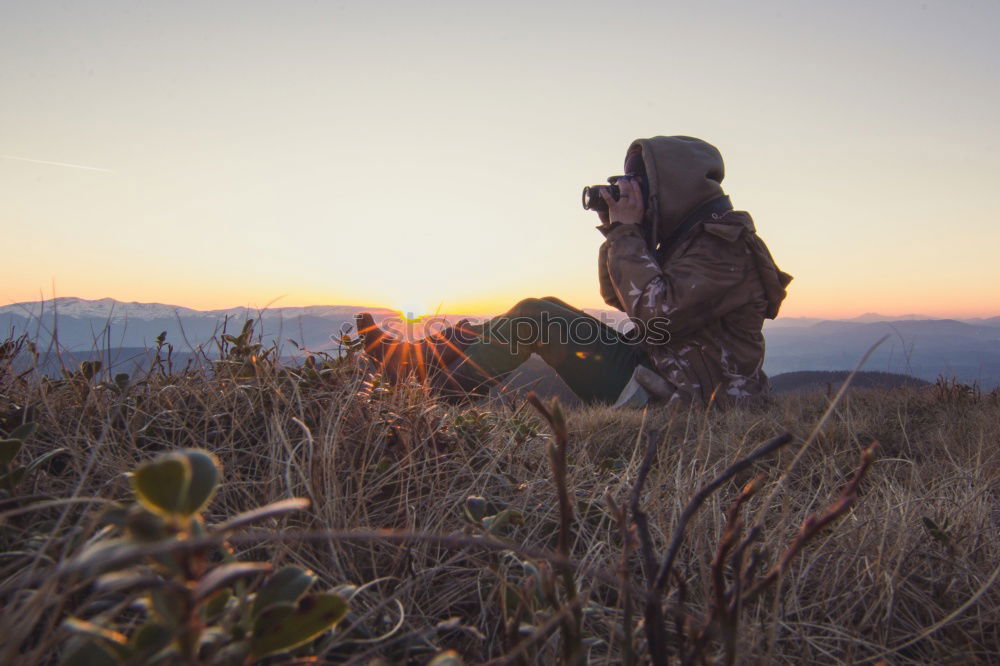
x,y
62,164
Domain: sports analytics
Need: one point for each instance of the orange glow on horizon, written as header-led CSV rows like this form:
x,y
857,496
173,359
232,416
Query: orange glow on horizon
x,y
965,305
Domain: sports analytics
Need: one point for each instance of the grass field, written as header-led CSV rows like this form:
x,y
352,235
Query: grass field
x,y
907,573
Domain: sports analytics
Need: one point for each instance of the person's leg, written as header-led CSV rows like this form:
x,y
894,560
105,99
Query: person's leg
x,y
592,358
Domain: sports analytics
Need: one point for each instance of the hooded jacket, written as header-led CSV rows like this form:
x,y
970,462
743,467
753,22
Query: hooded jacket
x,y
699,264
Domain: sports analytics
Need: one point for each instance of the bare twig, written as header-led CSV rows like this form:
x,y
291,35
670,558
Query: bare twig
x,y
698,499
638,515
814,524
572,640
721,616
621,520
656,634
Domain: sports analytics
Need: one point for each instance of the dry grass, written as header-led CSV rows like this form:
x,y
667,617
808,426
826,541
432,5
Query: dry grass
x,y
908,575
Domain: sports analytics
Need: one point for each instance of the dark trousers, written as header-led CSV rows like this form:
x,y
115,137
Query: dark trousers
x,y
594,360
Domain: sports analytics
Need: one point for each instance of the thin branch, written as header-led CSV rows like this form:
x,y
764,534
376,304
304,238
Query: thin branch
x,y
538,634
656,632
721,614
256,537
621,519
699,499
638,515
572,639
815,523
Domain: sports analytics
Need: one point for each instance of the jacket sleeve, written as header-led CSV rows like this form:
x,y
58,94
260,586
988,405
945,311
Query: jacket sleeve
x,y
604,278
690,291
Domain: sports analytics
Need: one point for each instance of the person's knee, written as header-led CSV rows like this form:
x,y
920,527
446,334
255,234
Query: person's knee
x,y
530,307
558,305
524,322
535,306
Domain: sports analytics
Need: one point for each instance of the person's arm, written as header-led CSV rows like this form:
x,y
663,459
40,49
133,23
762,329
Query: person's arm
x,y
689,290
604,278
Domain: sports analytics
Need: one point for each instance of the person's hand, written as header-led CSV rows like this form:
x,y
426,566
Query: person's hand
x,y
604,215
630,208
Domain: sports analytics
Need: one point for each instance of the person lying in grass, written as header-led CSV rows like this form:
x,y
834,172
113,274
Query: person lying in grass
x,y
691,273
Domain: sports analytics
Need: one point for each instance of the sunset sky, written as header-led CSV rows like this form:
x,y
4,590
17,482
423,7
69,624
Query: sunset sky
x,y
431,155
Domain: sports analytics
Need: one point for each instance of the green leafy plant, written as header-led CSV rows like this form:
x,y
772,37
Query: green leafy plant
x,y
194,598
473,426
490,518
943,533
119,385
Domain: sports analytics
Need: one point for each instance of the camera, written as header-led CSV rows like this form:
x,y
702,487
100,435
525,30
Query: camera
x,y
592,199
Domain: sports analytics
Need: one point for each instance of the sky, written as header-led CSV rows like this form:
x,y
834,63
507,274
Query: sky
x,y
429,156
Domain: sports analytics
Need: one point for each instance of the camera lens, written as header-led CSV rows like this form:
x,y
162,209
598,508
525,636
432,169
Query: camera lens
x,y
592,199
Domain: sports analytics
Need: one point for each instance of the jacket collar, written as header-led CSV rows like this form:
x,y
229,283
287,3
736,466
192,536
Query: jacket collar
x,y
717,206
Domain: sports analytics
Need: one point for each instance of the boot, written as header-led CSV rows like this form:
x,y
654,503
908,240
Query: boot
x,y
438,360
392,355
451,373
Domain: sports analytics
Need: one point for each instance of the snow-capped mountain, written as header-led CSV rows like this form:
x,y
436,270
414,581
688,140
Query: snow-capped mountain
x,y
82,325
119,311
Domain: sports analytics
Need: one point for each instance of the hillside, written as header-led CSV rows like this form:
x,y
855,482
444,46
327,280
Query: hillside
x,y
535,375
831,380
438,523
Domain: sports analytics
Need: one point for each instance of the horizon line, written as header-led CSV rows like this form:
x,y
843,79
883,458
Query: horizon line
x,y
908,315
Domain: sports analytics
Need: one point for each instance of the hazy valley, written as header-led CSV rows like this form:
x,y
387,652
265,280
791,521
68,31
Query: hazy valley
x,y
121,334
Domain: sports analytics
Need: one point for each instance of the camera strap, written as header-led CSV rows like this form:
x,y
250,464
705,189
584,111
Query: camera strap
x,y
717,206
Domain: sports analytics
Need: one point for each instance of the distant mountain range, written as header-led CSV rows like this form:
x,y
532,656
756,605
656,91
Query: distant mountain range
x,y
83,325
874,317
924,347
121,311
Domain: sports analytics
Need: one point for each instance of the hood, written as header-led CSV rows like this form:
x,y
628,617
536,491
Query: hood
x,y
683,173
